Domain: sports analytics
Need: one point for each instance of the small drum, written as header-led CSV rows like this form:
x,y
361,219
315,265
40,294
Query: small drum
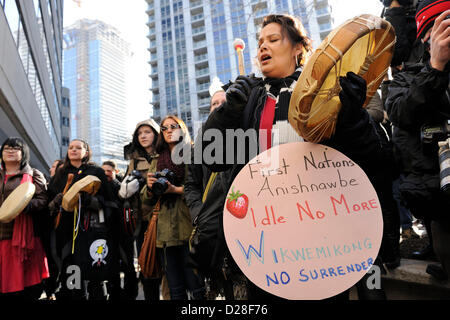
x,y
16,202
363,45
89,184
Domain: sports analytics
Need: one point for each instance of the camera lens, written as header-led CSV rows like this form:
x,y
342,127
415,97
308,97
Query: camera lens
x,y
444,165
159,186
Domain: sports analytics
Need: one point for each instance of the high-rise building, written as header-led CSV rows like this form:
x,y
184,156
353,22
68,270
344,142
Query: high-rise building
x,y
191,42
95,62
30,76
65,120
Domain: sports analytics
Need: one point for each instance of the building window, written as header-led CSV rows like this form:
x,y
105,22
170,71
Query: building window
x,y
65,141
65,121
65,102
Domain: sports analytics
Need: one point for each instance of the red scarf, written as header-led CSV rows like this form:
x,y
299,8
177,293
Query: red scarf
x,y
23,232
266,124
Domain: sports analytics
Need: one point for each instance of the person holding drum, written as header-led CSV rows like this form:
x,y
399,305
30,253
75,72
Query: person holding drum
x,y
140,152
86,231
262,104
23,263
165,190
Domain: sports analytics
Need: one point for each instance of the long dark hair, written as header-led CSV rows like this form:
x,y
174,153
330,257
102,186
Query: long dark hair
x,y
17,142
135,146
161,144
293,28
86,160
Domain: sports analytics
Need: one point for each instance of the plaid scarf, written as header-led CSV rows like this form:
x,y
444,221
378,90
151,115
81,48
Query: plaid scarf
x,y
165,162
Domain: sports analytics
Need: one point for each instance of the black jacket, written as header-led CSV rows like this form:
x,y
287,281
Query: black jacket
x,y
90,228
208,243
404,24
419,96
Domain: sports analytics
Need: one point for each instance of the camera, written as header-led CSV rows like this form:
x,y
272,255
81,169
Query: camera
x,y
135,174
431,135
440,136
161,184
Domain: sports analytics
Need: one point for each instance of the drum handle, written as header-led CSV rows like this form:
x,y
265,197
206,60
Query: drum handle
x,y
68,183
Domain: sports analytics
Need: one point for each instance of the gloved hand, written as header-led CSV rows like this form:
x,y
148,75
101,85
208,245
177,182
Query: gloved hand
x,y
352,96
128,187
55,203
238,92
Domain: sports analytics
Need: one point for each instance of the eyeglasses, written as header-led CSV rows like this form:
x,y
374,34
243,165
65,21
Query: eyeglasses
x,y
11,149
172,126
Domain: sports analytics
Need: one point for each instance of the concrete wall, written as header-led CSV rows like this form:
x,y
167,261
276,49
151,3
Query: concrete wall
x,y
19,113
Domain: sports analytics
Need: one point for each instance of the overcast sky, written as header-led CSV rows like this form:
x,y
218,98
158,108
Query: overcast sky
x,y
130,19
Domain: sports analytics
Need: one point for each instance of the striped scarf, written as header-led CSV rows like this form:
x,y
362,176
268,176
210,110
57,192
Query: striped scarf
x,y
281,90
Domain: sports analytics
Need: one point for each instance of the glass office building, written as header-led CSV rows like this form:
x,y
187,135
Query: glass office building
x,y
95,61
191,42
30,77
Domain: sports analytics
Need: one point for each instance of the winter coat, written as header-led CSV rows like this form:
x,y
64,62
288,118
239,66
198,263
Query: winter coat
x,y
174,225
208,244
405,31
141,163
143,211
90,228
418,96
37,204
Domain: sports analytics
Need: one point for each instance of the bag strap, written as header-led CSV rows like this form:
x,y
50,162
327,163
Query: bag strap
x,y
157,207
212,177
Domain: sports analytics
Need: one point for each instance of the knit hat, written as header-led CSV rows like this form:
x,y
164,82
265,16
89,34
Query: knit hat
x,y
215,86
427,12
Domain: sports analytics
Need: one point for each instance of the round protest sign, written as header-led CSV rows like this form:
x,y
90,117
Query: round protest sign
x,y
305,225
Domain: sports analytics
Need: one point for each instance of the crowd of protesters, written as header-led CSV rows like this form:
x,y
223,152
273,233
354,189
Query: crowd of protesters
x,y
178,207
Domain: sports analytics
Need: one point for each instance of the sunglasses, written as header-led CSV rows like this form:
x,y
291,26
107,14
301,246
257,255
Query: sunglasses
x,y
172,126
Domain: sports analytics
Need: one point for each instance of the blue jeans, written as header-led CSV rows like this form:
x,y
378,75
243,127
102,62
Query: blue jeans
x,y
180,277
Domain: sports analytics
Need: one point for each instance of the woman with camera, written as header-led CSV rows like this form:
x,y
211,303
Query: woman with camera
x,y
142,155
86,245
165,189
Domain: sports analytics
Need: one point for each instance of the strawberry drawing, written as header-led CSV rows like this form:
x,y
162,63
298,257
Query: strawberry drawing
x,y
237,204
